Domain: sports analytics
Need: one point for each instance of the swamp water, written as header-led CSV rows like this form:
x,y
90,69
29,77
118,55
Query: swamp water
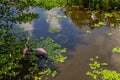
x,y
77,34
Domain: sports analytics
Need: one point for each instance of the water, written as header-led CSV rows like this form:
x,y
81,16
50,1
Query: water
x,y
81,39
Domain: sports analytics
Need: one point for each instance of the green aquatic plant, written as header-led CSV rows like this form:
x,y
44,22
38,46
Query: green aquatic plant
x,y
12,57
117,49
13,41
99,24
54,49
45,72
99,72
106,15
38,78
54,73
106,4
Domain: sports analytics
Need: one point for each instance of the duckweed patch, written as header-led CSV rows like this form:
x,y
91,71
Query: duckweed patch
x,y
99,72
117,49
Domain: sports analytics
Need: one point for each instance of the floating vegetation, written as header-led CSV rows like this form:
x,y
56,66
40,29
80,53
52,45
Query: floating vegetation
x,y
117,49
99,24
46,72
54,73
54,50
106,15
99,73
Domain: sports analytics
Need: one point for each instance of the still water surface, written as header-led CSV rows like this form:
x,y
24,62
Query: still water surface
x,y
82,41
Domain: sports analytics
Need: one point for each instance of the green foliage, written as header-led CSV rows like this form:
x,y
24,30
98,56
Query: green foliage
x,y
10,52
54,50
12,57
54,73
97,25
96,4
106,15
47,72
26,17
105,4
14,40
38,78
51,3
99,73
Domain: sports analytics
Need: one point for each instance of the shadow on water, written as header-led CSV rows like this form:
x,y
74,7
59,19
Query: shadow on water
x,y
82,41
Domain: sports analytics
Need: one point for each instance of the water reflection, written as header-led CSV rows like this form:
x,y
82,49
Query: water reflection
x,y
82,40
27,27
53,16
97,43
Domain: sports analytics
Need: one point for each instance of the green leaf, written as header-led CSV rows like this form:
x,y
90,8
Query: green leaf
x,y
117,49
54,73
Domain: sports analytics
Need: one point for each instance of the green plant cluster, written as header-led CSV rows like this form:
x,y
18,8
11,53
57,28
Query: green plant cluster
x,y
117,49
14,64
99,72
106,15
97,25
54,49
46,72
51,3
96,4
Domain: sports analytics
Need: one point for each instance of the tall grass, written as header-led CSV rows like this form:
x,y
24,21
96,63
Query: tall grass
x,y
90,4
51,3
